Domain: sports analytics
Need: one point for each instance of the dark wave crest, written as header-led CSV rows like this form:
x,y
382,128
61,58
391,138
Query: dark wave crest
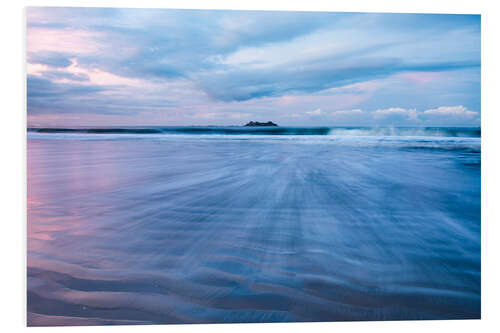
x,y
340,131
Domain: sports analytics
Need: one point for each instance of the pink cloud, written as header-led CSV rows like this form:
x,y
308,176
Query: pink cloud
x,y
421,77
56,40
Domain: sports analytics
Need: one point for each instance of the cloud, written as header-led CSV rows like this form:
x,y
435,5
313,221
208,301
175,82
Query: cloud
x,y
64,75
43,88
46,96
452,111
307,76
206,115
344,113
408,114
329,59
54,41
52,59
221,115
421,77
316,112
141,61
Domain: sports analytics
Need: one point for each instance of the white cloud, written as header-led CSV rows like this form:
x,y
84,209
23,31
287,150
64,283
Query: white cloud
x,y
294,115
36,69
221,115
459,111
316,112
342,113
359,87
236,115
205,115
411,114
308,47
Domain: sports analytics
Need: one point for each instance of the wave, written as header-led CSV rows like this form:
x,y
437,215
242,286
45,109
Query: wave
x,y
192,130
474,132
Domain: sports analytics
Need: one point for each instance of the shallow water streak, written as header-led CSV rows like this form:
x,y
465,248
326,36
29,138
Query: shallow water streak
x,y
192,230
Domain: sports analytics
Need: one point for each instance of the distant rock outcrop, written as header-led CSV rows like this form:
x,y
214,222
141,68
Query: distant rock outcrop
x,y
256,123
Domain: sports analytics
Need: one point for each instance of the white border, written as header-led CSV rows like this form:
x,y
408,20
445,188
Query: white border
x,y
13,138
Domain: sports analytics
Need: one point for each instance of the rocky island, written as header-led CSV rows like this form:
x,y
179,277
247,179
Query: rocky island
x,y
256,123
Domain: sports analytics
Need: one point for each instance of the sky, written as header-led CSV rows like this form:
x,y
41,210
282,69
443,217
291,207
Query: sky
x,y
147,67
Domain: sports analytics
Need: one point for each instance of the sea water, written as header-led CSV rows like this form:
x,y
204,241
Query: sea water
x,y
208,224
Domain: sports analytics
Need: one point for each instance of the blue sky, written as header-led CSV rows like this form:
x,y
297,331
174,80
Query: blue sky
x,y
107,66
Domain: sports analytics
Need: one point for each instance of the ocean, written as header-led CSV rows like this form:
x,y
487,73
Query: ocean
x,y
157,225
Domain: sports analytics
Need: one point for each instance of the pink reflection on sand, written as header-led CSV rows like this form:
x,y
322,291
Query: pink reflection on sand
x,y
63,217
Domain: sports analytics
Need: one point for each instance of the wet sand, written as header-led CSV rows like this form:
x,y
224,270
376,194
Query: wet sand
x,y
147,231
